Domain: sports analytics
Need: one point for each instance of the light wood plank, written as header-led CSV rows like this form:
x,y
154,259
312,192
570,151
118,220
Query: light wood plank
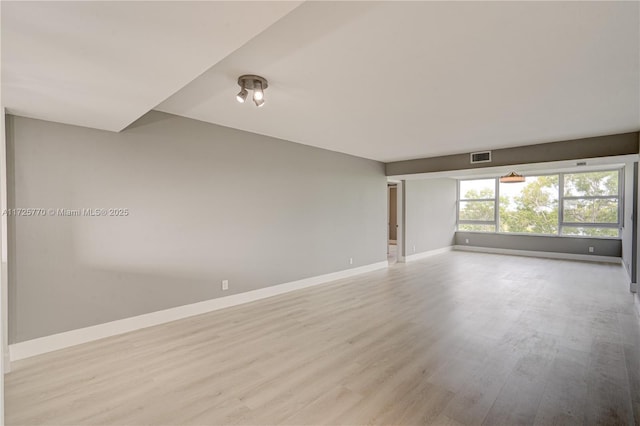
x,y
459,338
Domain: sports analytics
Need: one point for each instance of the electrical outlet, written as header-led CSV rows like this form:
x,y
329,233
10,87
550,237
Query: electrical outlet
x,y
466,241
225,285
351,261
590,249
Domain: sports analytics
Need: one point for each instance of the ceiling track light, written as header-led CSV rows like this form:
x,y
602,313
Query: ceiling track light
x,y
512,177
252,82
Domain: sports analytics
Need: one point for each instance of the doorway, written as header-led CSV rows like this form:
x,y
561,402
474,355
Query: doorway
x,y
392,228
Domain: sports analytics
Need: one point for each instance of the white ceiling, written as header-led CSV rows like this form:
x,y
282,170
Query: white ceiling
x,y
103,64
380,80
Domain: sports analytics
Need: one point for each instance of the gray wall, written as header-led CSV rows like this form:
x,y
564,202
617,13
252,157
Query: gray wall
x,y
430,214
600,146
206,203
602,246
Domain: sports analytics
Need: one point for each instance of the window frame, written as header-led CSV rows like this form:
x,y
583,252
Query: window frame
x,y
619,198
561,198
496,206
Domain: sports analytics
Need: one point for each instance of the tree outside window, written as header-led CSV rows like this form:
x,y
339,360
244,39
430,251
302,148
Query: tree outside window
x,y
575,204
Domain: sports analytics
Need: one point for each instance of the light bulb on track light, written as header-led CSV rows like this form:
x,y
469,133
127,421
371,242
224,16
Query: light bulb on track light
x,y
258,94
242,96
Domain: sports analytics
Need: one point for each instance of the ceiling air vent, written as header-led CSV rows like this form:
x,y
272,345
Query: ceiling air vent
x,y
481,157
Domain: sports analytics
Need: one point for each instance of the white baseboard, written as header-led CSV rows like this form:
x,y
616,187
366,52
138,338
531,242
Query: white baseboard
x,y
424,254
545,254
66,339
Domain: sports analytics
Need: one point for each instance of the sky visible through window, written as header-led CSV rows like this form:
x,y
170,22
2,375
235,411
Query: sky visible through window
x,y
509,190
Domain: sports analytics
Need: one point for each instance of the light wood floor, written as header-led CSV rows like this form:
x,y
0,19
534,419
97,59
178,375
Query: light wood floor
x,y
458,338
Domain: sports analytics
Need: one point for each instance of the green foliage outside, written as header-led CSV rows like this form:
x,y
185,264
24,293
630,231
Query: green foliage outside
x,y
535,207
535,210
591,184
595,210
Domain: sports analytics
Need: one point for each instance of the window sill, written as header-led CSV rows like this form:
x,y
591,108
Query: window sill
x,y
520,234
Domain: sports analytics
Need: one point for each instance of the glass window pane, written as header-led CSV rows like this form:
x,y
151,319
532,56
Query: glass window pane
x,y
591,211
530,206
590,232
480,188
477,210
591,184
476,228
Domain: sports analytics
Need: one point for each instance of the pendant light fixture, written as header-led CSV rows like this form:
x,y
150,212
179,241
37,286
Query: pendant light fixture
x,y
512,177
252,82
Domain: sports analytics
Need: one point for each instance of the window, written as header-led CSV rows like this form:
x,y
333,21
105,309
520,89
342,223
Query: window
x,y
572,204
477,206
591,204
530,207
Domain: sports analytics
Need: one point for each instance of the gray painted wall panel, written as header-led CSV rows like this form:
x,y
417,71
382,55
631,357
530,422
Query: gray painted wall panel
x,y
206,203
430,214
602,247
601,146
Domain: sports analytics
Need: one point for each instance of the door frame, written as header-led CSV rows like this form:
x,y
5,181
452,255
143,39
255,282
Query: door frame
x,y
400,218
